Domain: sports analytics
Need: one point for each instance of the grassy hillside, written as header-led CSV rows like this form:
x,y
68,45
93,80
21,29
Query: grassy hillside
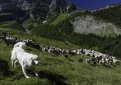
x,y
111,14
55,69
11,25
60,19
60,28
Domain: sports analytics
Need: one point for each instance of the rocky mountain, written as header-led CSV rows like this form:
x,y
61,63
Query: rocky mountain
x,y
104,22
35,9
89,24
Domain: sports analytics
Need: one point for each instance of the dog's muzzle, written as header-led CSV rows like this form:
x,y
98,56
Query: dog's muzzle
x,y
36,62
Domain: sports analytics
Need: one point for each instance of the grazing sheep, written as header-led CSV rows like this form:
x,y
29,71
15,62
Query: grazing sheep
x,y
9,40
96,57
91,60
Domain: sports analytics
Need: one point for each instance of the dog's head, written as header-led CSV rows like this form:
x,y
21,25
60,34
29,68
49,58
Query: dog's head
x,y
35,60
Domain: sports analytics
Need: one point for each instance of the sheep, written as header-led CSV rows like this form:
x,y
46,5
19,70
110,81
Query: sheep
x,y
9,40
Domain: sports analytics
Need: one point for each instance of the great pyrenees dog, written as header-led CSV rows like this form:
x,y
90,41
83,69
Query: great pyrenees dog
x,y
26,60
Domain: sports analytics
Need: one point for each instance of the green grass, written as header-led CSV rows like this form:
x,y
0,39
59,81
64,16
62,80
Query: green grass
x,y
55,68
107,32
11,25
60,19
40,40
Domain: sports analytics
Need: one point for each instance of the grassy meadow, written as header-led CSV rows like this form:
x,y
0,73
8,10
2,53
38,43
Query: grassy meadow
x,y
55,69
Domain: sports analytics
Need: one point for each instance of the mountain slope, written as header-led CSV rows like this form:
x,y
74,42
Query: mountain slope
x,y
30,12
88,24
37,9
55,69
110,13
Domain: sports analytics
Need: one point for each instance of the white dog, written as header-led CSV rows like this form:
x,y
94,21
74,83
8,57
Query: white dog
x,y
25,59
13,56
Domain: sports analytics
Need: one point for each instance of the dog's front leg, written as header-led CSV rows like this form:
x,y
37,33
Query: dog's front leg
x,y
12,61
24,72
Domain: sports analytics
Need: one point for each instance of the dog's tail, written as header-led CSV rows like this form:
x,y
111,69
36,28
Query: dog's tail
x,y
20,44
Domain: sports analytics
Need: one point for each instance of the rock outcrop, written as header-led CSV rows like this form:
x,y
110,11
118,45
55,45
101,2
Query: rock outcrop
x,y
89,24
37,9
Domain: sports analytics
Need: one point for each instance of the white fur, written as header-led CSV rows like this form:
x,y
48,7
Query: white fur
x,y
25,59
20,44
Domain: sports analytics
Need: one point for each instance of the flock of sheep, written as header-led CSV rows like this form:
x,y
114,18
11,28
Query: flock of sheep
x,y
10,40
95,57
